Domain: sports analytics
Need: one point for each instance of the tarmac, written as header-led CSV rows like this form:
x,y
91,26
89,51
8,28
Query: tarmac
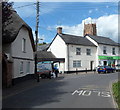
x,y
25,85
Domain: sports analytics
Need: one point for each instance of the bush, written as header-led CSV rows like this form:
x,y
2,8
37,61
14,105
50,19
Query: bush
x,y
116,92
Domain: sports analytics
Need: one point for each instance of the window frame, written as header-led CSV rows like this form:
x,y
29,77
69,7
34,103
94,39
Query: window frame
x,y
104,50
28,67
88,51
113,51
24,45
21,67
77,63
78,51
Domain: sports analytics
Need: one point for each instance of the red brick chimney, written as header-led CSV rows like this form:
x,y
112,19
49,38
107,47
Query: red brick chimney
x,y
59,30
90,29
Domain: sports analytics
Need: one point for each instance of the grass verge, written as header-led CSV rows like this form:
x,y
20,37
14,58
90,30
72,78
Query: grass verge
x,y
116,92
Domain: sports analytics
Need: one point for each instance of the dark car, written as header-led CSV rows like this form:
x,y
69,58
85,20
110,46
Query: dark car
x,y
105,69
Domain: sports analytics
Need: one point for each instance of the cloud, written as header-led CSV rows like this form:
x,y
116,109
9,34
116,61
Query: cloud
x,y
90,11
107,26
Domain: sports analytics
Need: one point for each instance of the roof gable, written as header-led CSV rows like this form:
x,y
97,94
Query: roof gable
x,y
13,27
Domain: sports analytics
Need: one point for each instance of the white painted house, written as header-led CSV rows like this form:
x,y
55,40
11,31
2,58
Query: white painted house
x,y
18,45
79,52
85,52
107,50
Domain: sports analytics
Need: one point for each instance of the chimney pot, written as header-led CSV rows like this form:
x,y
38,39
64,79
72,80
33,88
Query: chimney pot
x,y
59,30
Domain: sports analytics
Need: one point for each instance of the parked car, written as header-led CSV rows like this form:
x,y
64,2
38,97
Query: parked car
x,y
44,69
105,69
118,67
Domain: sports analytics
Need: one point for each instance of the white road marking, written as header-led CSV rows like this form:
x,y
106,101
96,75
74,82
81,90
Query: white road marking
x,y
89,92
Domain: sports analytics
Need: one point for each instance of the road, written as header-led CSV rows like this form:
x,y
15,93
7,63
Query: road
x,y
70,91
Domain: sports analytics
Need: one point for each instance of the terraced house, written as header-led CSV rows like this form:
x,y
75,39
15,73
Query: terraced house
x,y
84,52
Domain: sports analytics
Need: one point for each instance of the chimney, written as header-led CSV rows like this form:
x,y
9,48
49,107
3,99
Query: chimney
x,y
59,30
90,29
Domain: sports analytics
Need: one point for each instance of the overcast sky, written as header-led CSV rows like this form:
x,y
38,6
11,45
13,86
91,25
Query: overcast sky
x,y
71,16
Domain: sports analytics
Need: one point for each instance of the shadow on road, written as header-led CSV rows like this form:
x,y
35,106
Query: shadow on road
x,y
42,94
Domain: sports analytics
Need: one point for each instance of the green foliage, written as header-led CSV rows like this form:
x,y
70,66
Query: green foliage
x,y
116,92
42,43
6,11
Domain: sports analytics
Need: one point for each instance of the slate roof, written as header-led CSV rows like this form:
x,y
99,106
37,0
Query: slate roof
x,y
103,40
43,47
76,40
47,56
12,28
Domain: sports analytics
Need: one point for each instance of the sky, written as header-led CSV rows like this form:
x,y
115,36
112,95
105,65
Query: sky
x,y
71,17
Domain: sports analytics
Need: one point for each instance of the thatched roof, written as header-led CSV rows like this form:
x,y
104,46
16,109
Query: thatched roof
x,y
12,27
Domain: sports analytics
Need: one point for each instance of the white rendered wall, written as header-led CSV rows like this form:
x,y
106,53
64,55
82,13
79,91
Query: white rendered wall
x,y
59,49
109,50
18,55
85,59
16,67
17,45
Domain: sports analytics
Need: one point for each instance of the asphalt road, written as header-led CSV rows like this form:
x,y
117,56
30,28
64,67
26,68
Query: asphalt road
x,y
70,91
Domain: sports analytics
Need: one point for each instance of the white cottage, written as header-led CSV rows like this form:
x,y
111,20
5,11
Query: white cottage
x,y
79,52
18,45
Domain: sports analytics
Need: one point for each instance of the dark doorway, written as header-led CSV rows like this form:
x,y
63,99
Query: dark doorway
x,y
105,63
91,65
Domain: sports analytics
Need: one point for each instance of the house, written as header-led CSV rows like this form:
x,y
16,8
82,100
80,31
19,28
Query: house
x,y
79,52
18,47
107,50
84,52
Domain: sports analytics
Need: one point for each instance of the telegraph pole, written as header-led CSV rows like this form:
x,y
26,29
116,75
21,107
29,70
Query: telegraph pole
x,y
36,33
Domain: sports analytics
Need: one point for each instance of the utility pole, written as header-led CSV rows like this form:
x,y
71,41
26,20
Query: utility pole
x,y
36,33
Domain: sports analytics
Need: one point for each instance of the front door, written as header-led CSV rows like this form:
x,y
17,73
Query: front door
x,y
105,63
91,65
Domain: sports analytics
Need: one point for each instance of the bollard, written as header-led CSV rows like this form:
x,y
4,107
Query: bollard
x,y
86,70
76,71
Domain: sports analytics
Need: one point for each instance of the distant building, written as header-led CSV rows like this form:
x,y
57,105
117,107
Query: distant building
x,y
18,46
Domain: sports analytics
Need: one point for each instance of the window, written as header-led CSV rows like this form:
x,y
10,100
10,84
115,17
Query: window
x,y
28,67
77,63
88,51
21,67
24,45
113,51
104,50
78,51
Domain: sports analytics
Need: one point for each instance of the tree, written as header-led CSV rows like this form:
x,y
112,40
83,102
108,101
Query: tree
x,y
6,11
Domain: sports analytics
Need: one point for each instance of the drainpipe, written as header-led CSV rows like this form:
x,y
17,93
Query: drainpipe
x,y
68,56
